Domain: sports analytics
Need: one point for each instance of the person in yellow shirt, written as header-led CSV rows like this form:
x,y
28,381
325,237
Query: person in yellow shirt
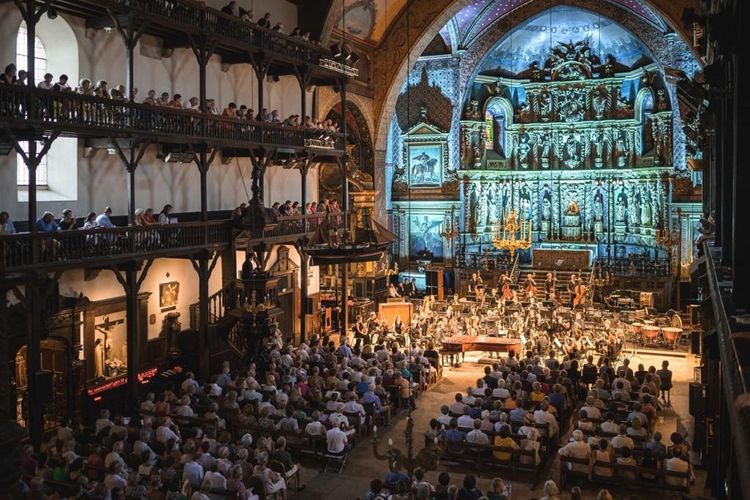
x,y
503,439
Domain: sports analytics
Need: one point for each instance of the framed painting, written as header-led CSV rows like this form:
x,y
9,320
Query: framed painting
x,y
425,162
424,234
169,293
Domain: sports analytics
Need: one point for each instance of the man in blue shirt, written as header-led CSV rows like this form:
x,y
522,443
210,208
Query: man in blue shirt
x,y
47,224
102,220
371,398
452,434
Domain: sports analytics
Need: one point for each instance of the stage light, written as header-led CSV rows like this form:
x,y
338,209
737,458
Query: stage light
x,y
51,13
353,59
335,51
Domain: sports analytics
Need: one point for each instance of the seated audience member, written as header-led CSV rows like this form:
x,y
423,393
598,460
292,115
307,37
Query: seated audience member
x,y
678,463
103,219
164,215
68,222
622,440
603,454
576,448
476,436
47,224
6,225
504,440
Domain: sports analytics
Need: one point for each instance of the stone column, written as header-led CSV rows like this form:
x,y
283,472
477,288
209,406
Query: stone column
x,y
382,178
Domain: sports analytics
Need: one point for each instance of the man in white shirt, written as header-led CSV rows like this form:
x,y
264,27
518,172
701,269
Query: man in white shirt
x,y
444,418
183,409
622,440
336,440
676,464
543,416
610,427
591,410
353,406
334,404
102,422
164,432
500,391
190,382
576,448
476,436
148,404
316,427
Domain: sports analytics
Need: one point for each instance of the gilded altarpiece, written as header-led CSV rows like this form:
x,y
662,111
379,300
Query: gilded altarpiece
x,y
583,150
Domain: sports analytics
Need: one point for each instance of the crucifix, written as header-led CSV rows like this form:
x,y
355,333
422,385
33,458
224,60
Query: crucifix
x,y
102,349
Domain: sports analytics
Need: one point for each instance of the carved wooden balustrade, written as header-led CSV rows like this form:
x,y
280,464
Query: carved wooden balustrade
x,y
78,115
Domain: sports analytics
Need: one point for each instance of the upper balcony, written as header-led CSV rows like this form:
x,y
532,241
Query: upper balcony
x,y
30,112
180,23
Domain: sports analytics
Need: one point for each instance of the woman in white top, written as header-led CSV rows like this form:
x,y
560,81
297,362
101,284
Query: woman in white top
x,y
603,454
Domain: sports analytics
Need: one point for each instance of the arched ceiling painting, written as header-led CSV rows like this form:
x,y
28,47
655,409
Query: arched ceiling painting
x,y
369,19
533,40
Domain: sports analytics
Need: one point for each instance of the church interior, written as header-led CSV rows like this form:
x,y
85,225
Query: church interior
x,y
375,249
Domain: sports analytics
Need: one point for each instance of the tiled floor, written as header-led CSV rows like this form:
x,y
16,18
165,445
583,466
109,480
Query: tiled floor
x,y
363,466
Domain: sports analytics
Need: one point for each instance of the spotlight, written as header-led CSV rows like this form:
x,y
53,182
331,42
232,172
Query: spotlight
x,y
353,59
345,54
51,13
173,157
335,50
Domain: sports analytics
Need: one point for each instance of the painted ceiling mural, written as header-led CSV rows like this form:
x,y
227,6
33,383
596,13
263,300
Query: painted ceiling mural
x,y
533,40
369,19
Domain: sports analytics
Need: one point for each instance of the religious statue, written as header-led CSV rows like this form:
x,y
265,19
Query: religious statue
x,y
525,201
598,213
661,100
171,327
482,207
477,154
647,212
472,110
544,144
621,149
545,105
598,147
599,103
473,206
572,157
465,146
546,208
523,149
636,208
621,208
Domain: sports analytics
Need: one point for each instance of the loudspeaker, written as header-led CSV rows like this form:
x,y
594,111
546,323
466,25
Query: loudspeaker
x,y
43,387
697,400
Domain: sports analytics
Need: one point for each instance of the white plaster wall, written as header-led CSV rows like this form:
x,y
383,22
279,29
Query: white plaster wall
x,y
101,180
181,270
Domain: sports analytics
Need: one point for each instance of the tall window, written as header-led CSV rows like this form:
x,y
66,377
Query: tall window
x,y
40,68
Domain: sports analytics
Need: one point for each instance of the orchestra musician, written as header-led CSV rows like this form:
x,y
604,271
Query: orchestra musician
x,y
550,284
507,294
571,286
530,286
579,298
475,282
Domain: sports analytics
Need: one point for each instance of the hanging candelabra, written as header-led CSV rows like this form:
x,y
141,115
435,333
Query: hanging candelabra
x,y
512,234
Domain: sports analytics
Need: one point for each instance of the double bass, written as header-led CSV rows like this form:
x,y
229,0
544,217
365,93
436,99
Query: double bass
x,y
580,294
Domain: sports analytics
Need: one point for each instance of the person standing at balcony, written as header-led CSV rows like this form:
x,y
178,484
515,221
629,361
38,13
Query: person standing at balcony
x,y
84,87
164,215
103,219
150,99
231,9
193,104
9,76
265,21
247,16
68,222
278,27
22,77
101,90
6,225
230,111
62,84
163,99
211,107
176,102
46,84
47,224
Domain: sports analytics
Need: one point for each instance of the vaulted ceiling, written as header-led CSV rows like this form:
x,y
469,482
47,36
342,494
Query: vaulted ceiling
x,y
369,20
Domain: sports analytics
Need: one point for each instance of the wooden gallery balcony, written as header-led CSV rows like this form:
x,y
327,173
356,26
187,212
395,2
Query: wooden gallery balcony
x,y
185,23
101,247
30,112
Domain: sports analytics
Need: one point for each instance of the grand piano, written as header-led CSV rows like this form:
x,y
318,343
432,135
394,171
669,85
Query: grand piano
x,y
461,344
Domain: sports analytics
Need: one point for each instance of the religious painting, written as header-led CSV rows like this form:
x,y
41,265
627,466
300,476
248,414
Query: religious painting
x,y
425,163
424,234
168,294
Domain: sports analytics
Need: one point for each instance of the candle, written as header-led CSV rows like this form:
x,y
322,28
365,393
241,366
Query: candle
x,y
375,429
390,442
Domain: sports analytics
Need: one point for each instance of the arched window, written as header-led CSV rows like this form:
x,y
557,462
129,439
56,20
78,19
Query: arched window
x,y
40,68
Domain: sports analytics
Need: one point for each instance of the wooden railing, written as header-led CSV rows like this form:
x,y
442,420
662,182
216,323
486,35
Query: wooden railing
x,y
196,17
733,377
305,224
25,251
635,266
74,114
